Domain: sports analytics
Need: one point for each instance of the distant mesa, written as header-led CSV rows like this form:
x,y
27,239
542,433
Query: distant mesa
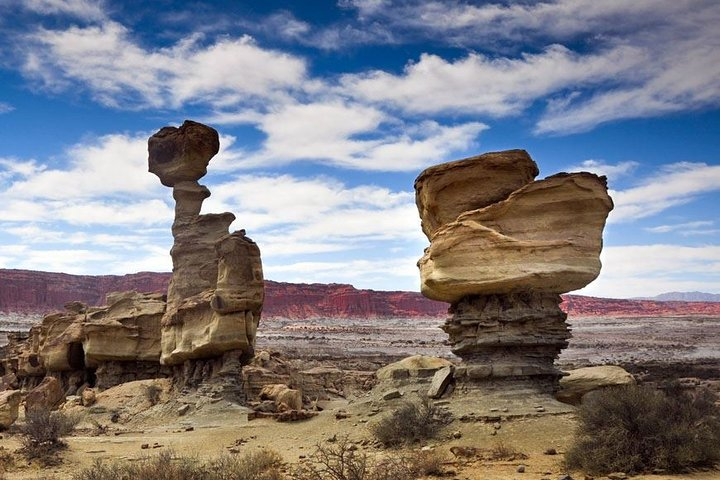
x,y
684,297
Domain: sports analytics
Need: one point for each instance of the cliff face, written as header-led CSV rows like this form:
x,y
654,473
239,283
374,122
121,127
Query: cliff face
x,y
580,306
43,292
24,291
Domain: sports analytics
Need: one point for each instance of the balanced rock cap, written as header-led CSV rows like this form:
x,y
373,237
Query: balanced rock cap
x,y
444,191
182,154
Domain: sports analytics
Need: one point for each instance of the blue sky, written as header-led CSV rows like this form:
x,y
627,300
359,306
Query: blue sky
x,y
327,112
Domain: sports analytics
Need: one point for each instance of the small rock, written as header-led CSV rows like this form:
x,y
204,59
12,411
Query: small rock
x,y
427,448
189,429
497,425
302,456
540,409
457,434
352,447
617,476
494,409
183,410
440,382
520,469
391,394
145,446
494,432
550,451
565,477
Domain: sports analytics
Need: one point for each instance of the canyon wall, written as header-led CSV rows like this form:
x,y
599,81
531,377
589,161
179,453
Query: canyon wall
x,y
26,291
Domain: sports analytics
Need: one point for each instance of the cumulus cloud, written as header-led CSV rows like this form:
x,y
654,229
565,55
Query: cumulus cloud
x,y
486,85
120,72
646,270
83,9
675,184
6,108
599,167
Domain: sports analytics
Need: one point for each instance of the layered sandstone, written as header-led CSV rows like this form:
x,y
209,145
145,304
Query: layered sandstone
x,y
90,346
546,236
216,292
502,249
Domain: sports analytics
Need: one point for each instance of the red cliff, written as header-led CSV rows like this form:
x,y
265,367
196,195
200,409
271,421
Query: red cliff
x,y
25,291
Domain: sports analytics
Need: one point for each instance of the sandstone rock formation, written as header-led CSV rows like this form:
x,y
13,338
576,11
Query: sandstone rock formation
x,y
96,346
581,381
9,403
216,293
502,249
46,396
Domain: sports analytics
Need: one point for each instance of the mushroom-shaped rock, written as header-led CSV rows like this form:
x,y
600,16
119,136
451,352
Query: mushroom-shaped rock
x,y
182,154
545,237
442,192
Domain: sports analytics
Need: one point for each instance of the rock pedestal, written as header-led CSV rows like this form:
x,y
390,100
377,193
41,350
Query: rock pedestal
x,y
502,249
216,293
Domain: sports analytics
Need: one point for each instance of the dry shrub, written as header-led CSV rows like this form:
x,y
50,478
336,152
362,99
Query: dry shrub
x,y
411,422
342,461
501,451
152,394
640,429
41,435
261,465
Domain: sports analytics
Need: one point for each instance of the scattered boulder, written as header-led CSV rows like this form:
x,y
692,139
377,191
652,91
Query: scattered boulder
x,y
9,403
88,397
440,382
391,394
48,395
414,366
285,397
579,382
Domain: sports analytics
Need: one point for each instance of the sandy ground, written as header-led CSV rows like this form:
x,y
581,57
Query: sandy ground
x,y
222,427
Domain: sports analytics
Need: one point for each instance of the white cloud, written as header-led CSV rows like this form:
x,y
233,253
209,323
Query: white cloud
x,y
383,274
676,184
647,270
682,227
351,135
109,165
601,168
492,86
121,73
83,9
6,108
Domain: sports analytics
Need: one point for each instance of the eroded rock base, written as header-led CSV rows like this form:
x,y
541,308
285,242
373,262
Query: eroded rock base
x,y
508,340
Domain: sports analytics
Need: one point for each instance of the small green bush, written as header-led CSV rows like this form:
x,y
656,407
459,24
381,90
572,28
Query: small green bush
x,y
411,422
638,429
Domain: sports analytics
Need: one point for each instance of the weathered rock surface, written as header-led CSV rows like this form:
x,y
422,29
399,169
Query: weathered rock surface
x,y
546,236
502,249
216,292
579,382
412,367
182,154
443,192
9,403
285,398
47,396
127,330
515,335
440,382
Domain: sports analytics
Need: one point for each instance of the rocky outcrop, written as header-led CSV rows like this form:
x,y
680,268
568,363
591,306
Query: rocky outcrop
x,y
100,346
9,403
216,292
579,382
444,191
48,395
546,236
502,249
